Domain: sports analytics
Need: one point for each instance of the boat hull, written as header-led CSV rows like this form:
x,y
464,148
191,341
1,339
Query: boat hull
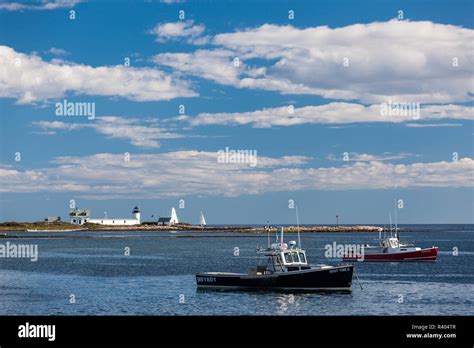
x,y
314,279
428,254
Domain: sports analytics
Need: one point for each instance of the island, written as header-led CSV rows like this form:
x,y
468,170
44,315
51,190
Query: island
x,y
42,226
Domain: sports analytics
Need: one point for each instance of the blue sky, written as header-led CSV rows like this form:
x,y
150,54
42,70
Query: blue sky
x,y
426,59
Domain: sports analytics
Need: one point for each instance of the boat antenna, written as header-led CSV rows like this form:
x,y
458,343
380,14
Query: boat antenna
x,y
298,226
268,233
396,225
390,214
281,241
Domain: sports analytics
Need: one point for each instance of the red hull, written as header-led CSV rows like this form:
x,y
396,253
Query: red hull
x,y
429,254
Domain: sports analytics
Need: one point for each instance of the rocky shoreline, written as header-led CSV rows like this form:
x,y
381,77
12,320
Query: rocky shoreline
x,y
66,227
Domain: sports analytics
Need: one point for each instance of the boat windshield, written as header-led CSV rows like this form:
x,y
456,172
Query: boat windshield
x,y
295,258
302,257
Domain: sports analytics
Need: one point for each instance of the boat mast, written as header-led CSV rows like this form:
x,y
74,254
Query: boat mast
x,y
298,226
396,225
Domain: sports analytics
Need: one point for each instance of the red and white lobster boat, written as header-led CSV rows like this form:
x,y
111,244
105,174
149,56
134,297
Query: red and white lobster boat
x,y
391,250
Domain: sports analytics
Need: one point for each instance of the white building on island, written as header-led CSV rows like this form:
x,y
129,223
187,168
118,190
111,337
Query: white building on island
x,y
82,216
79,216
169,221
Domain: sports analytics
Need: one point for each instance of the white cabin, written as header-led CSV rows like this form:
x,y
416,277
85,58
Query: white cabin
x,y
79,216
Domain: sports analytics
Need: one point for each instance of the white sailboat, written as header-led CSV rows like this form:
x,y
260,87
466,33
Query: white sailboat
x,y
202,220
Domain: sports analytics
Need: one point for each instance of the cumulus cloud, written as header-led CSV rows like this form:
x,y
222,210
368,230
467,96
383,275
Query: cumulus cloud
x,y
213,65
180,173
408,61
331,113
29,79
179,30
137,131
39,5
57,51
364,157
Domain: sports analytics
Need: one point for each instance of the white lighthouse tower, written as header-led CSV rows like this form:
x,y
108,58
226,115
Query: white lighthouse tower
x,y
136,214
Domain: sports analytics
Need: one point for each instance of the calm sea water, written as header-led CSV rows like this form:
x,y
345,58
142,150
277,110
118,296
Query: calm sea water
x,y
157,278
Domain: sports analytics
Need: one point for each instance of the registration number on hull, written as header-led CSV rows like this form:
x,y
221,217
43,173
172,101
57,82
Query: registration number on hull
x,y
339,270
206,279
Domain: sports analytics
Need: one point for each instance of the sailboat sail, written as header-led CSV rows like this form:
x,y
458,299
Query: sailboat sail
x,y
202,220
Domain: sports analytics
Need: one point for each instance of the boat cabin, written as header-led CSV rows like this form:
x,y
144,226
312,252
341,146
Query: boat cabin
x,y
284,259
391,243
293,257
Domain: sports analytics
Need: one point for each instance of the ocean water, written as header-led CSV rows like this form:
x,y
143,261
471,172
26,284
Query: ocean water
x,y
157,278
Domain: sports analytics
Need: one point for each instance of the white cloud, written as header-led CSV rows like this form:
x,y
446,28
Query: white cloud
x,y
58,125
145,136
30,79
57,51
430,125
213,65
364,157
172,1
38,5
403,60
332,113
182,173
179,30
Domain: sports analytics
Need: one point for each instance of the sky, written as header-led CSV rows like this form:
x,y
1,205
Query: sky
x,y
240,109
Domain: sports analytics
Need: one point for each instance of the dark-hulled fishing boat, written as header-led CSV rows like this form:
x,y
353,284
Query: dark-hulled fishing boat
x,y
287,268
